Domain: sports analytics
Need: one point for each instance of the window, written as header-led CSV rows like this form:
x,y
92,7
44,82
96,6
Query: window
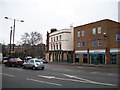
x,y
94,43
54,47
78,34
94,31
83,44
51,40
54,38
57,38
60,37
78,45
83,32
99,30
37,61
57,47
118,37
51,46
99,42
32,61
60,46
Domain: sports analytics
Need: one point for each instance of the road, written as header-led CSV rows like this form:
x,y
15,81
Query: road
x,y
59,76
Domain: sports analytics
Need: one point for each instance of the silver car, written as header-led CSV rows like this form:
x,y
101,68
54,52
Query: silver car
x,y
34,64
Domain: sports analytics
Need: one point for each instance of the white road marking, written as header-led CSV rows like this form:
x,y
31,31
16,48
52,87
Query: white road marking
x,y
8,75
84,80
44,82
80,67
89,81
53,77
71,76
61,69
113,74
93,72
107,84
110,74
49,77
85,67
18,69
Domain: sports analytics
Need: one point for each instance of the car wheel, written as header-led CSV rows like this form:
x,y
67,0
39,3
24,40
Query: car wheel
x,y
13,65
19,66
33,68
5,64
23,67
42,68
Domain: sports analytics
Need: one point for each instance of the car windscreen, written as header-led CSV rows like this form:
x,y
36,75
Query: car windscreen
x,y
38,61
18,59
12,59
15,59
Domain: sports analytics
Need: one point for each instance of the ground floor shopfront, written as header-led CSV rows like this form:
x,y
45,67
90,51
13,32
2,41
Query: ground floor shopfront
x,y
60,56
104,56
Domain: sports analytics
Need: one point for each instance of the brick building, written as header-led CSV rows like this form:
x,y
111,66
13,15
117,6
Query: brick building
x,y
97,42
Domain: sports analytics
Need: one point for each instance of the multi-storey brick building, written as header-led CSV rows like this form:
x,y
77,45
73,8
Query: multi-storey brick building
x,y
97,42
60,45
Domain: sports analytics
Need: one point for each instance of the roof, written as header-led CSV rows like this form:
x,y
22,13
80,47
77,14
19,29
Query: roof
x,y
98,22
60,32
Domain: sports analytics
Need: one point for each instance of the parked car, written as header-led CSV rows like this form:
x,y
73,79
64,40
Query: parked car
x,y
5,59
44,61
14,62
34,64
27,58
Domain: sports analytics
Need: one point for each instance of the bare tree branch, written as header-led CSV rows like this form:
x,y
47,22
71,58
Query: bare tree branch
x,y
33,38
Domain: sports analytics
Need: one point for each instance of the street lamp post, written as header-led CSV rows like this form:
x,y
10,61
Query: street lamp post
x,y
14,28
10,40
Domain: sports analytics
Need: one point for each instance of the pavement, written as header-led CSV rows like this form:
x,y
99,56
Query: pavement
x,y
88,65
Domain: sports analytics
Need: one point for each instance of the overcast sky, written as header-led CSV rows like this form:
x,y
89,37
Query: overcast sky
x,y
42,15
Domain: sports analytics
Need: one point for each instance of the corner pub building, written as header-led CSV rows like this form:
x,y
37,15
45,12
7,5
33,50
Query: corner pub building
x,y
97,42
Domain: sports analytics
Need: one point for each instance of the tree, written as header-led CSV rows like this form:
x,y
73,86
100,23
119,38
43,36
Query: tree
x,y
34,38
25,38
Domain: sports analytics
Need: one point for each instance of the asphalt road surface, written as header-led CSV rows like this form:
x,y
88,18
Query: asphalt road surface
x,y
60,76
